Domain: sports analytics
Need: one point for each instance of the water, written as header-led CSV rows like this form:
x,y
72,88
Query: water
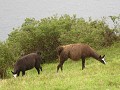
x,y
13,12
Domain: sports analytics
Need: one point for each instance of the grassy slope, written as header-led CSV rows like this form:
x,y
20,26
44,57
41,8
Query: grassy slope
x,y
95,76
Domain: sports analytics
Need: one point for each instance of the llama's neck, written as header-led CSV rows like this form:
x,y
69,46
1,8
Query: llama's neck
x,y
95,55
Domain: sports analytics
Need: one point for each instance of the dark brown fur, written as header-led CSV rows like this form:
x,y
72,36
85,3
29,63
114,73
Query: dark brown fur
x,y
75,52
27,62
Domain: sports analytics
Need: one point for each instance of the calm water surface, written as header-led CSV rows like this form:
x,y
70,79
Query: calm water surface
x,y
13,12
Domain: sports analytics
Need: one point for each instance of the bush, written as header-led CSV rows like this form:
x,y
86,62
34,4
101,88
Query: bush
x,y
6,59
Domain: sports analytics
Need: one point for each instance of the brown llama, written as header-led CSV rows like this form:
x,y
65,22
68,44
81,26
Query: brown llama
x,y
75,52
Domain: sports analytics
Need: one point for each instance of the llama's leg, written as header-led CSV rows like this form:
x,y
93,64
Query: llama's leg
x,y
83,63
38,70
37,66
23,73
63,57
60,65
18,73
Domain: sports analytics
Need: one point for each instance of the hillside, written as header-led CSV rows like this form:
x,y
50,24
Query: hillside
x,y
95,76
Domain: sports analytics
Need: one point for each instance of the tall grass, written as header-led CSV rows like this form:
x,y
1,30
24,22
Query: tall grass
x,y
95,76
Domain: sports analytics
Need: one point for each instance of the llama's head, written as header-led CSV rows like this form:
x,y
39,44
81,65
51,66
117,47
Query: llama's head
x,y
14,74
102,59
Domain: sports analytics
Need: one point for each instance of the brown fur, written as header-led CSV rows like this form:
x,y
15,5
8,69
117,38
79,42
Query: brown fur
x,y
75,52
27,62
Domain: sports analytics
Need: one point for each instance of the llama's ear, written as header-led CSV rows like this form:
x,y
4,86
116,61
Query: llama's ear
x,y
103,56
12,72
100,56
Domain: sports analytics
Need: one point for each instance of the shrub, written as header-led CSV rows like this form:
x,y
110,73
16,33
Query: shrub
x,y
6,59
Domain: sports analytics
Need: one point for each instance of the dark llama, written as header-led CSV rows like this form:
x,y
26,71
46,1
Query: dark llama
x,y
75,52
27,62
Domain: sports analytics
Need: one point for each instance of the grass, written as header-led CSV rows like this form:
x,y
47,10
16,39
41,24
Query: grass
x,y
95,76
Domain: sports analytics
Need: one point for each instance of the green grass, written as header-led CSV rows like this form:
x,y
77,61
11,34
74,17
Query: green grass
x,y
95,76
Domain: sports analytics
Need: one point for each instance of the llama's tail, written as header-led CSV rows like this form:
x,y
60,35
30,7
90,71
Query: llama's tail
x,y
59,50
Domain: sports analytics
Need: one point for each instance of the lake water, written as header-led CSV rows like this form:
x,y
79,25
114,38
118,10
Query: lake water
x,y
13,12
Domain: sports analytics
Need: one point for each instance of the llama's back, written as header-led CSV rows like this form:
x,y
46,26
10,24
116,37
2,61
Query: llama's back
x,y
80,50
75,51
27,61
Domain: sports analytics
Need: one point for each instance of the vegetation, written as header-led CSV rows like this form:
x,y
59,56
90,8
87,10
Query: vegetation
x,y
46,34
95,76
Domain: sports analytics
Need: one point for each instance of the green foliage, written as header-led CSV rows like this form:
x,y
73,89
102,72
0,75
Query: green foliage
x,y
36,35
6,59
